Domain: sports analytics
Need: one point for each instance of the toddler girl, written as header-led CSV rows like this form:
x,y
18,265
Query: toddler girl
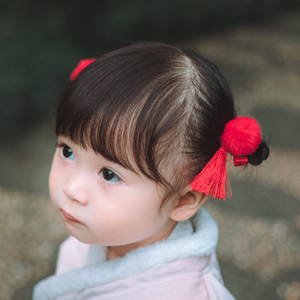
x,y
144,136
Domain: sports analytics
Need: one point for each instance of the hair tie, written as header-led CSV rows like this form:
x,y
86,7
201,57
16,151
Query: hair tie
x,y
241,137
81,65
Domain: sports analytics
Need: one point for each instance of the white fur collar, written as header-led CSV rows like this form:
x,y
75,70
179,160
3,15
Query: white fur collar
x,y
182,243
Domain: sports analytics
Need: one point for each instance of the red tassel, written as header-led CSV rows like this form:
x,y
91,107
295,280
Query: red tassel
x,y
241,137
212,180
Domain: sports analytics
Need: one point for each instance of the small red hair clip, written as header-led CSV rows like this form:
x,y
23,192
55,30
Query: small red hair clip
x,y
240,161
241,137
82,64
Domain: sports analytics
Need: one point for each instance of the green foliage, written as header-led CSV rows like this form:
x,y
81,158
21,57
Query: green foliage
x,y
41,42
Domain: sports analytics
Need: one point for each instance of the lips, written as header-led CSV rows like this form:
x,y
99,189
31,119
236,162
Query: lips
x,y
70,218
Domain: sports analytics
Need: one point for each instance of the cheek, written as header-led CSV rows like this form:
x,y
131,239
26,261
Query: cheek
x,y
54,181
132,217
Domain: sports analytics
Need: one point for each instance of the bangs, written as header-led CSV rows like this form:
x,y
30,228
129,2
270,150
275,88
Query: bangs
x,y
129,116
98,126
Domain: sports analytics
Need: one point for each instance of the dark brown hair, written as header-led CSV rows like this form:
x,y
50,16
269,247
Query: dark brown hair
x,y
162,107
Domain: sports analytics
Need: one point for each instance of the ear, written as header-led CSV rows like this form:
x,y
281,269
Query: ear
x,y
187,205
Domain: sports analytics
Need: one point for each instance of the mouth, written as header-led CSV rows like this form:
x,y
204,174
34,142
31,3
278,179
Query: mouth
x,y
70,218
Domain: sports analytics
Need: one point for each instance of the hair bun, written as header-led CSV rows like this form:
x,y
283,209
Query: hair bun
x,y
261,154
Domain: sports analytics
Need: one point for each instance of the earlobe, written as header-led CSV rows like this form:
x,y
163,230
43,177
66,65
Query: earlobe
x,y
187,205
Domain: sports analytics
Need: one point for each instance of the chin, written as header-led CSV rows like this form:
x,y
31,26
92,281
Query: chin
x,y
81,238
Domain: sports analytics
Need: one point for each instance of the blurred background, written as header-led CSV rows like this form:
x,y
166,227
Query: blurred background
x,y
255,43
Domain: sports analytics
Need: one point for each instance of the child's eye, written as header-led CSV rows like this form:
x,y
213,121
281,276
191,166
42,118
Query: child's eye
x,y
109,175
66,151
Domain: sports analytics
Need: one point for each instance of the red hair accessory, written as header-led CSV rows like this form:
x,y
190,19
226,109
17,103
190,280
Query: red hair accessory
x,y
82,64
241,137
240,161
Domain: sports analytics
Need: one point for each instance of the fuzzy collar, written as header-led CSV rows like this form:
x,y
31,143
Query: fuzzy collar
x,y
182,243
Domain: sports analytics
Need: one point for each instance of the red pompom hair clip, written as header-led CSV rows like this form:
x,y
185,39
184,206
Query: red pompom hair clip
x,y
241,137
82,64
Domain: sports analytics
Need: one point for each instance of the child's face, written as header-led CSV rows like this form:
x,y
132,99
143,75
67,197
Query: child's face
x,y
102,203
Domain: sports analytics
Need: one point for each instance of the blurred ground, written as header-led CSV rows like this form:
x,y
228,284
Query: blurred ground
x,y
259,247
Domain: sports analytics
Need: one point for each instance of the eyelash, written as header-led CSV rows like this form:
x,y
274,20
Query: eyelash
x,y
60,145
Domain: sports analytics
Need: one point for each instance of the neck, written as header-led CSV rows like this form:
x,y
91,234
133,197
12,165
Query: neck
x,y
120,251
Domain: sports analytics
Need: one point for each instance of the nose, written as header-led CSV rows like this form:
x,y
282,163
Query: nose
x,y
76,188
